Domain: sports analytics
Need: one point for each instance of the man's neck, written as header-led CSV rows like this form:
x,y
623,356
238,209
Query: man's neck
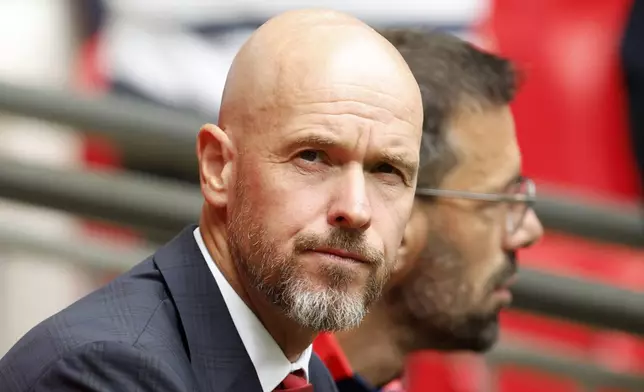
x,y
373,349
292,338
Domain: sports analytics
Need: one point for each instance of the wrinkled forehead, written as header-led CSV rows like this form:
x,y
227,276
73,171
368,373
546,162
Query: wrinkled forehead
x,y
342,98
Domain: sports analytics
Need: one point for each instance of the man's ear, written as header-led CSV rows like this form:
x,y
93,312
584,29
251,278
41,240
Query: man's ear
x,y
413,242
215,152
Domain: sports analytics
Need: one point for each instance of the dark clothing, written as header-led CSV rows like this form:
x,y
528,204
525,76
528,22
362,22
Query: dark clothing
x,y
633,63
163,326
355,384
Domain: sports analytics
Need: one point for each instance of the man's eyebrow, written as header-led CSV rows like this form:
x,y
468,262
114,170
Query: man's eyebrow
x,y
311,141
513,180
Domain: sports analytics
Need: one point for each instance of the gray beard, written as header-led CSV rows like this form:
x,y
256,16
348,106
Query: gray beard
x,y
278,278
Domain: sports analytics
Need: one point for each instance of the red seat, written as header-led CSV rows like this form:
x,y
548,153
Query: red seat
x,y
570,112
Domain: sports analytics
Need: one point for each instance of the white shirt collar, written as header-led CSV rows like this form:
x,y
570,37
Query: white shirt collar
x,y
270,363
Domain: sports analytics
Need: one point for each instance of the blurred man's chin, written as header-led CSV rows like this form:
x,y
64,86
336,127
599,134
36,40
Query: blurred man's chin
x,y
477,334
483,341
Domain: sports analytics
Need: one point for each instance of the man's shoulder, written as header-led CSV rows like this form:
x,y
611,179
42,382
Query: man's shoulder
x,y
95,366
121,310
134,310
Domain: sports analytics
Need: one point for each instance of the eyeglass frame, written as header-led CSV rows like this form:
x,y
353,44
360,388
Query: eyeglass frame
x,y
528,198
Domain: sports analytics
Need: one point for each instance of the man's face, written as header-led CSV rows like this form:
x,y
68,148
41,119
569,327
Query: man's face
x,y
321,201
459,279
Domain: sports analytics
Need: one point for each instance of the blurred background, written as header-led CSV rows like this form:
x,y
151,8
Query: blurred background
x,y
100,102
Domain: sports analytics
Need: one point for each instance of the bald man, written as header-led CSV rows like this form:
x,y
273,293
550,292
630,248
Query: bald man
x,y
308,182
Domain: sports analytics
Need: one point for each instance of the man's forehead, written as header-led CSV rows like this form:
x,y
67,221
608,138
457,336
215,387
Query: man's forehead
x,y
362,99
486,149
487,172
346,112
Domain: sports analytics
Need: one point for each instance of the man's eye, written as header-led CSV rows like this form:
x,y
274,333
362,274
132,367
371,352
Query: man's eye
x,y
388,169
310,155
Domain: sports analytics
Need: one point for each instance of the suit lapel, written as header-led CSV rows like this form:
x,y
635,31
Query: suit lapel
x,y
217,354
320,377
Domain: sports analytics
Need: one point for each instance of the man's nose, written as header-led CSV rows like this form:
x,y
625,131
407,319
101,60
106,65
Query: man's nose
x,y
527,234
350,207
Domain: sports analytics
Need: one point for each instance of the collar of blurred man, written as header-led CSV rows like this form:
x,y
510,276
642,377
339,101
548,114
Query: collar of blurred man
x,y
471,215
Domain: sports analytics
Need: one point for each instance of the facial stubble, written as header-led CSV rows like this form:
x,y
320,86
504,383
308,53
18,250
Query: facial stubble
x,y
282,279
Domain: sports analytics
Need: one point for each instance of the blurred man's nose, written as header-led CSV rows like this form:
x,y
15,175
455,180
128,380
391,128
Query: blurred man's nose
x,y
350,207
527,234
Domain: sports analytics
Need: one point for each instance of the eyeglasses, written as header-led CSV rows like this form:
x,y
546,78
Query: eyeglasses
x,y
519,198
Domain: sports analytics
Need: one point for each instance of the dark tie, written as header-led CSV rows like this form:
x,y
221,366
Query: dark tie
x,y
295,382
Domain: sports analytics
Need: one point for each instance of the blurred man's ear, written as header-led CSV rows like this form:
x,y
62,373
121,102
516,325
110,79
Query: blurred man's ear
x,y
413,243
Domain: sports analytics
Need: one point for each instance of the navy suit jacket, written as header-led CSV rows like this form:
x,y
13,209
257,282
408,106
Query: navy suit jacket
x,y
163,326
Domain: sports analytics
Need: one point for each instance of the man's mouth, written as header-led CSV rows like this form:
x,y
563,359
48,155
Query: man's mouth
x,y
343,254
502,291
507,283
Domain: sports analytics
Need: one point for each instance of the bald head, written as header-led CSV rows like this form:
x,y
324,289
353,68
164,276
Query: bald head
x,y
308,52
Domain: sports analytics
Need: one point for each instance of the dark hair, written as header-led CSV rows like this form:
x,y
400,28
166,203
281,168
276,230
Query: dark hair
x,y
451,73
